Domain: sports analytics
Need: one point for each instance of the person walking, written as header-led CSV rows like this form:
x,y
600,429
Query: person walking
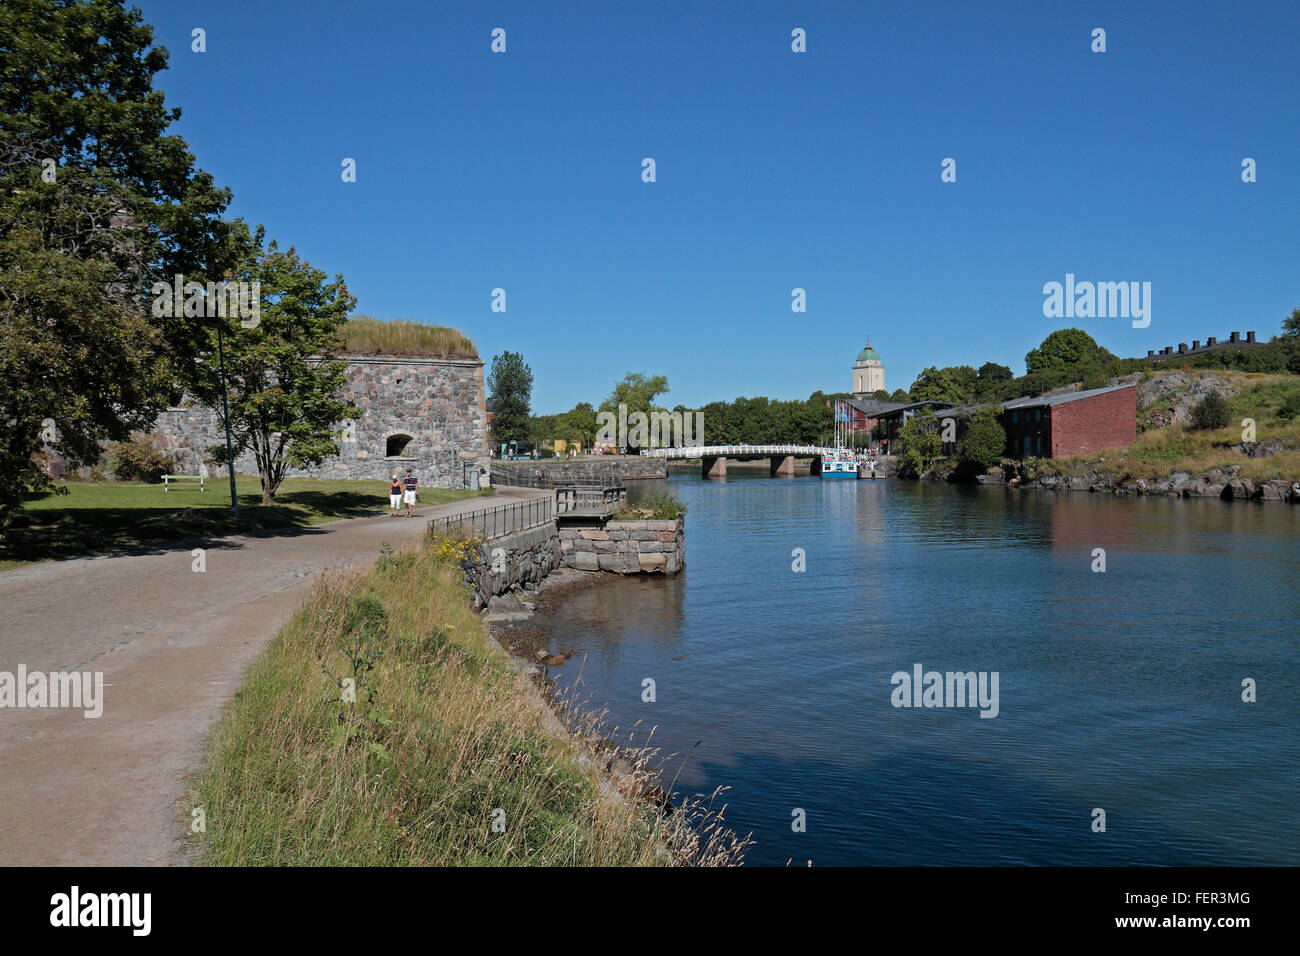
x,y
412,486
394,495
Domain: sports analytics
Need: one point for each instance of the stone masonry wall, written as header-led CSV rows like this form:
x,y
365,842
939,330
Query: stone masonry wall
x,y
438,403
626,547
584,471
525,558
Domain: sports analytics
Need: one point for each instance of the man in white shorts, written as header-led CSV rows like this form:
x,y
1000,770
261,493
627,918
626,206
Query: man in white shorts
x,y
412,486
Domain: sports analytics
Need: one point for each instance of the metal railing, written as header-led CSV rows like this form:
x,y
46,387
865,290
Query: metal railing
x,y
490,523
589,499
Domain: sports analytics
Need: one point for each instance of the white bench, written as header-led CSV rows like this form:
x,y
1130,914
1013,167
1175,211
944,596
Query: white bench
x,y
167,479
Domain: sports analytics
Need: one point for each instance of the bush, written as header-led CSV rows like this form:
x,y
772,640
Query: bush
x,y
919,444
1291,407
139,460
657,504
1211,413
982,446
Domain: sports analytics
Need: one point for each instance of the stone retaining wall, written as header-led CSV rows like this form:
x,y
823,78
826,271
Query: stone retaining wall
x,y
605,470
626,547
525,558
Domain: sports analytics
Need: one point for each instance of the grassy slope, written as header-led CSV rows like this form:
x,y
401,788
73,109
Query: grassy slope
x,y
441,735
1160,452
109,516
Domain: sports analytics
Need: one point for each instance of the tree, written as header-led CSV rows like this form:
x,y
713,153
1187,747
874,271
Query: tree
x,y
1062,350
991,373
1210,413
954,384
638,392
983,444
282,374
1291,324
125,204
919,443
511,386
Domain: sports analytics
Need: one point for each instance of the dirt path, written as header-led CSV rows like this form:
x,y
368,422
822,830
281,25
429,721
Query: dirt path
x,y
173,646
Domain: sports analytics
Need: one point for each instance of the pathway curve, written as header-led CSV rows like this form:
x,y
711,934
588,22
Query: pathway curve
x,y
173,645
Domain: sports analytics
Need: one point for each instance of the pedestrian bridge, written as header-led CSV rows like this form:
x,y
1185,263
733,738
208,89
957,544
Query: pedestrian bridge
x,y
713,458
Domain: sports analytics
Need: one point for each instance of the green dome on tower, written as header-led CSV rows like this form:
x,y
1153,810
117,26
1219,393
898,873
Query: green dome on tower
x,y
868,354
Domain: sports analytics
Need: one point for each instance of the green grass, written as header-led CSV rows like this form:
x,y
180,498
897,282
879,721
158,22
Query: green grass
x,y
440,742
106,517
369,336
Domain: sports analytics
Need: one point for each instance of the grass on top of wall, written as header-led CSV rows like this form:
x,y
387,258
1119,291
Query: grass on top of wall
x,y
442,758
365,335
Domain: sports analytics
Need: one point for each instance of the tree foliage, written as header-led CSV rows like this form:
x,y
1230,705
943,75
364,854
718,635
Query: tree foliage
x,y
77,342
283,376
919,444
983,444
510,384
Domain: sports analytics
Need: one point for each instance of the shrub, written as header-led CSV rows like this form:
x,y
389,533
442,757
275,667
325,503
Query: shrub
x,y
139,459
919,443
1291,407
1210,413
657,504
982,446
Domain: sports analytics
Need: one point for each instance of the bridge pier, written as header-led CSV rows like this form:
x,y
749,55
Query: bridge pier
x,y
815,468
713,466
781,466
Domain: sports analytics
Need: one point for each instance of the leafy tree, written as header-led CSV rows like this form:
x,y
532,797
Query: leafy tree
x,y
282,374
991,373
1291,324
899,395
638,392
1062,350
1210,413
919,443
510,384
983,444
954,384
77,341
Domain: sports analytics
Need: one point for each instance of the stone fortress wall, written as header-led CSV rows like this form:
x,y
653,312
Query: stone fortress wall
x,y
426,414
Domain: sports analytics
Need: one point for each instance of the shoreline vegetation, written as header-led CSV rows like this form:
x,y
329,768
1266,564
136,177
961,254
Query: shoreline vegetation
x,y
1255,455
446,754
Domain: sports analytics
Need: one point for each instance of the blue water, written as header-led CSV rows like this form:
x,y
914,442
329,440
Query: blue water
x,y
1119,690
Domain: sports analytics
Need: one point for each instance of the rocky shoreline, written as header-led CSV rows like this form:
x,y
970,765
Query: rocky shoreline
x,y
1225,483
510,621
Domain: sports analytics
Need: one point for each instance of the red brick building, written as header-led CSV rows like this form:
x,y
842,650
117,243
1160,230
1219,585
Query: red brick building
x,y
1071,423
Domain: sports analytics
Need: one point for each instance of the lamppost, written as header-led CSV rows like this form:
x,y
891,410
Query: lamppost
x,y
225,404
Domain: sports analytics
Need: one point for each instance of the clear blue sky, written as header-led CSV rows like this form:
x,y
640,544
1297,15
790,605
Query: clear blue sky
x,y
775,170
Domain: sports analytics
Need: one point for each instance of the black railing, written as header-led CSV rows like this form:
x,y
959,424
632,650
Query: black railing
x,y
589,499
489,523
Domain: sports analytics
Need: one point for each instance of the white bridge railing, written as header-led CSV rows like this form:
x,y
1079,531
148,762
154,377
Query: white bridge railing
x,y
737,451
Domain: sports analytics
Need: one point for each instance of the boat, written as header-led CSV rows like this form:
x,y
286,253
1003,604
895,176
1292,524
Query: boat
x,y
840,462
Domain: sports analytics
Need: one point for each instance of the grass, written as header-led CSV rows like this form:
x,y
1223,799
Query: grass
x,y
99,517
443,758
369,336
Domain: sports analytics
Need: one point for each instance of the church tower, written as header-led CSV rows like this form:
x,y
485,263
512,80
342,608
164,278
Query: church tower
x,y
868,373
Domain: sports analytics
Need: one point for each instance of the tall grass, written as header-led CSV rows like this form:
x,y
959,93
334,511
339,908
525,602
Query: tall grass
x,y
365,335
445,757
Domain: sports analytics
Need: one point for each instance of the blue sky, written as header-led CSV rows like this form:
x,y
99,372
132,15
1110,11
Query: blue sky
x,y
775,170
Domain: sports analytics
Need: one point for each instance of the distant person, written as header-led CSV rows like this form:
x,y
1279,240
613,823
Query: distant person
x,y
412,486
394,496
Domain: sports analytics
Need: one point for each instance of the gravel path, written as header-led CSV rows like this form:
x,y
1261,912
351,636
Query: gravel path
x,y
173,646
